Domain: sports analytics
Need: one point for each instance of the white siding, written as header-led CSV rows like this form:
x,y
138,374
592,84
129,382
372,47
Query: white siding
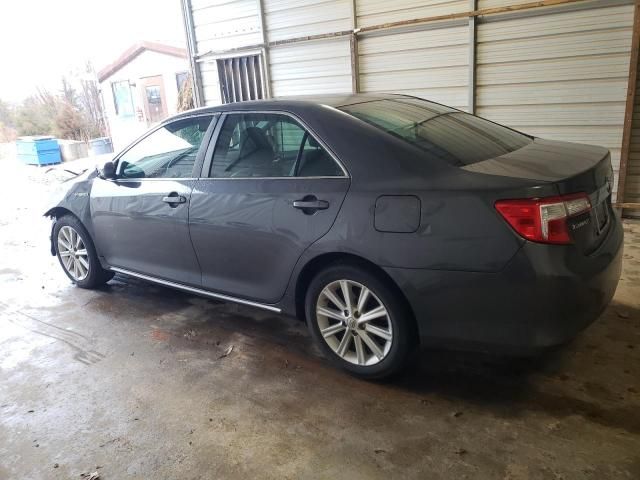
x,y
499,3
125,129
311,68
297,18
321,66
226,24
433,64
560,75
222,25
210,83
374,12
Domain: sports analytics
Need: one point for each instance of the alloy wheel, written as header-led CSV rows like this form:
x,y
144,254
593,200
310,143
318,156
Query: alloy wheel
x,y
73,253
354,322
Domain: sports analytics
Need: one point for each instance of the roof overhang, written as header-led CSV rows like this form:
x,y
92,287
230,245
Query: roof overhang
x,y
135,50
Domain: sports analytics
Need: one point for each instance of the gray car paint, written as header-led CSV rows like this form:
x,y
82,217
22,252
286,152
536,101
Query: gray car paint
x,y
135,229
459,241
249,236
397,213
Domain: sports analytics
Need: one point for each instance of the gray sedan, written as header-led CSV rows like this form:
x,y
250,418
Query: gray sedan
x,y
383,221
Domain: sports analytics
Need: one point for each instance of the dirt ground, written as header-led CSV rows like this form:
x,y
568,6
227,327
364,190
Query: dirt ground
x,y
139,381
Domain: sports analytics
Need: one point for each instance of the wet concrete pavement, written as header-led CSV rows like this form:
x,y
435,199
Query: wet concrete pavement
x,y
138,381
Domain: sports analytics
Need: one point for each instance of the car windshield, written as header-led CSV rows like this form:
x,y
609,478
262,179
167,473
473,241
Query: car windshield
x,y
443,132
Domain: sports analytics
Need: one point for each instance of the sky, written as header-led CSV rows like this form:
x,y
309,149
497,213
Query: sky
x,y
41,40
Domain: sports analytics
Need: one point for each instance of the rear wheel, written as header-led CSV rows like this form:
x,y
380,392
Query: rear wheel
x,y
77,254
359,322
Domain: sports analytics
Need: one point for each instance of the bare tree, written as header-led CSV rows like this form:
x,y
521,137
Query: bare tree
x,y
185,95
90,101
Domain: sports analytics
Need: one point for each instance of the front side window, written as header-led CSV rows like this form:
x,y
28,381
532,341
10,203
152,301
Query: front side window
x,y
169,152
269,145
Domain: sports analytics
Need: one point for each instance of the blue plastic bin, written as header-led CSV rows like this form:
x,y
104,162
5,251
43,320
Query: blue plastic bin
x,y
38,150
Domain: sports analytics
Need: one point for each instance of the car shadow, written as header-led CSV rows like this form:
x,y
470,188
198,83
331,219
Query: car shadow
x,y
562,382
502,385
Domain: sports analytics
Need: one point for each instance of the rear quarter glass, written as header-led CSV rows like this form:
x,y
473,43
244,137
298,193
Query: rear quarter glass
x,y
441,132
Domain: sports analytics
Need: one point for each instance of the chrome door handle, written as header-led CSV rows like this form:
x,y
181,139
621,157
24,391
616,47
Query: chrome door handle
x,y
315,204
310,204
173,199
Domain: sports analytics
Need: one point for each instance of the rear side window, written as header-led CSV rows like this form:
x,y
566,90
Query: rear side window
x,y
442,132
263,145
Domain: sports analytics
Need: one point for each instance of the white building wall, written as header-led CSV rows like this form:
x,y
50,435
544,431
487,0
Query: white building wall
x,y
125,129
210,83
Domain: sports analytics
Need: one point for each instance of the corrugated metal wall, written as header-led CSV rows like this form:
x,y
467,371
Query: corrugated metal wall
x,y
433,64
375,12
322,66
313,67
557,72
559,75
221,25
286,19
430,62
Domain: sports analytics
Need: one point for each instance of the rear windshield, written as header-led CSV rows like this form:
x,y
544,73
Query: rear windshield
x,y
448,134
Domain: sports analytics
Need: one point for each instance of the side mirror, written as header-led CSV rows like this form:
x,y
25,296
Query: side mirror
x,y
108,171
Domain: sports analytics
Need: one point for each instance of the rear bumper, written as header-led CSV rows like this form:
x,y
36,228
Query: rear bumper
x,y
544,297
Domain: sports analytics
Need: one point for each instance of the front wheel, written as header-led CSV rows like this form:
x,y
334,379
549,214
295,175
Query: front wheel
x,y
77,254
359,322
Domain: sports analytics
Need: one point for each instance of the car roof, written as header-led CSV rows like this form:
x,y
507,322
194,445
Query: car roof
x,y
297,102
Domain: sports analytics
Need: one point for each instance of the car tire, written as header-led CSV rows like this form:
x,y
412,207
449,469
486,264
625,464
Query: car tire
x,y
391,331
77,254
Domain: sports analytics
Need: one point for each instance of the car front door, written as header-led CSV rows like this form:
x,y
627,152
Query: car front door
x,y
270,190
140,218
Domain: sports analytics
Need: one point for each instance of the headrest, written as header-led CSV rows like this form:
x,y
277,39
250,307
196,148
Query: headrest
x,y
258,138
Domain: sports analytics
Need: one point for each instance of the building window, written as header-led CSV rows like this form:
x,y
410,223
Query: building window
x,y
241,78
181,80
153,95
122,98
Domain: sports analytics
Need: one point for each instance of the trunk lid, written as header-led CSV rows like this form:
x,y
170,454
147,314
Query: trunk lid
x,y
571,168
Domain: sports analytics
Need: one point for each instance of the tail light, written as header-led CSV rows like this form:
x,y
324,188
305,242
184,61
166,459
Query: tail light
x,y
543,219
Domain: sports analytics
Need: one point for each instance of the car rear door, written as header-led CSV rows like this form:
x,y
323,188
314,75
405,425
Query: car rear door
x,y
269,190
140,218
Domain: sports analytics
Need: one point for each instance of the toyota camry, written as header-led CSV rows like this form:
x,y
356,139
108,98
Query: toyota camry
x,y
384,221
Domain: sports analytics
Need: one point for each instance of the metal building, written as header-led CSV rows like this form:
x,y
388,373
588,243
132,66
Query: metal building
x,y
560,69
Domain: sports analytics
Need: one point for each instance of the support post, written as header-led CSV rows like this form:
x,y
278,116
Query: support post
x,y
353,46
265,50
189,30
631,96
473,5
